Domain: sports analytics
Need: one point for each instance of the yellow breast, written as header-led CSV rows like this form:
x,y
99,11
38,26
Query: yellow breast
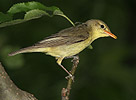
x,y
68,50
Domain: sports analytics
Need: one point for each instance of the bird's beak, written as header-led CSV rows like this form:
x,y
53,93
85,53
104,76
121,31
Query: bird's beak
x,y
110,34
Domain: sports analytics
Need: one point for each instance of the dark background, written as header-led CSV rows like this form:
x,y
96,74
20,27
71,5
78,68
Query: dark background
x,y
107,72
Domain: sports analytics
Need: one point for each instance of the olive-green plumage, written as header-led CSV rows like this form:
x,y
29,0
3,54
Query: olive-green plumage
x,y
70,41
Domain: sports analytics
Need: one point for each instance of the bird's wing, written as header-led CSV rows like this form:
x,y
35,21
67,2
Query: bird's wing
x,y
65,37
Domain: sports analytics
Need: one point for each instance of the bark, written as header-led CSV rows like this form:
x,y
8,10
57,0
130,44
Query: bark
x,y
9,91
65,93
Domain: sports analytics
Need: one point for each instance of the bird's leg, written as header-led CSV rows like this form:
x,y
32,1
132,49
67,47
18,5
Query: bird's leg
x,y
75,60
59,63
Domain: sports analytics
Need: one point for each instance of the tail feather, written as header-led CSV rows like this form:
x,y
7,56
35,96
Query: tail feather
x,y
26,50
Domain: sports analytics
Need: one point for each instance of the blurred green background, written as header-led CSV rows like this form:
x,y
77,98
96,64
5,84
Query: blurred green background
x,y
107,72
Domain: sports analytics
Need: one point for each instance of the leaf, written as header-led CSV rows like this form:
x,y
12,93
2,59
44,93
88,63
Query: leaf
x,y
24,7
36,13
5,17
32,10
32,14
13,22
90,47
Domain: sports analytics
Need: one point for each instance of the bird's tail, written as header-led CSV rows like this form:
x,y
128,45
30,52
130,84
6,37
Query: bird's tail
x,y
27,50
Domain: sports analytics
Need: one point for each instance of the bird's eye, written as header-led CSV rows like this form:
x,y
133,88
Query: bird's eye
x,y
102,26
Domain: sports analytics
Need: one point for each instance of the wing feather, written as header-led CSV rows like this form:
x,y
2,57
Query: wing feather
x,y
66,37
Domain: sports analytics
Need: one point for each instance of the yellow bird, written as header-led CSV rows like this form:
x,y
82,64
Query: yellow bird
x,y
70,41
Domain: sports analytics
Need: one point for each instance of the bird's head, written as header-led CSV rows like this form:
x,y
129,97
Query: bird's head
x,y
99,29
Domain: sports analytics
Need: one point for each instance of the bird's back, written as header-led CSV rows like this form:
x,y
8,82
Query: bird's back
x,y
63,40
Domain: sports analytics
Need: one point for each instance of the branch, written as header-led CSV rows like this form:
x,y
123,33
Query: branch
x,y
9,91
66,91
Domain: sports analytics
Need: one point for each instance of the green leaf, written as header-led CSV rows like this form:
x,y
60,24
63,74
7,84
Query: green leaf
x,y
5,17
32,10
13,22
90,47
32,14
24,7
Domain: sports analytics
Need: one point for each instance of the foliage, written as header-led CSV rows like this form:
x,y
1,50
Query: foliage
x,y
32,10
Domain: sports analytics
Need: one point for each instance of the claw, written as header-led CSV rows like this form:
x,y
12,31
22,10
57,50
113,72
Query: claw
x,y
70,77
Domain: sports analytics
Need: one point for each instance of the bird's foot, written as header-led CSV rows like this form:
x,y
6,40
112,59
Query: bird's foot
x,y
75,58
70,77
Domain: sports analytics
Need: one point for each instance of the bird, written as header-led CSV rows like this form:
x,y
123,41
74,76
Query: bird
x,y
70,41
